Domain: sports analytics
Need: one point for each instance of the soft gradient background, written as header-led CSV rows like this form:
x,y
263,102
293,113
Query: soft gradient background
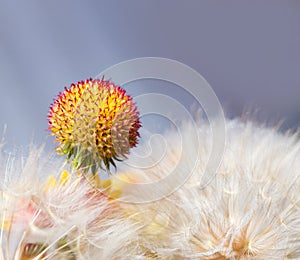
x,y
249,52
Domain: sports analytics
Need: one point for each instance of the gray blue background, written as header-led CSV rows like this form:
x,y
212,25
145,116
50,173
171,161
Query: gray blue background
x,y
249,52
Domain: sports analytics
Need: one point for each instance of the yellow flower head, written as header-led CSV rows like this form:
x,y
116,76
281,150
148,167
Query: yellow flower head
x,y
94,122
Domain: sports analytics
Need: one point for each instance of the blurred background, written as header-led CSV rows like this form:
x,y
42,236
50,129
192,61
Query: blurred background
x,y
248,51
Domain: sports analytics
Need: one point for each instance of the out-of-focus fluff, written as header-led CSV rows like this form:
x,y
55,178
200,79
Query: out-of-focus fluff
x,y
249,210
47,217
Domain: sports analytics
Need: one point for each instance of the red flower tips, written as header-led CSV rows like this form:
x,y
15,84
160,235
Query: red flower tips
x,y
94,123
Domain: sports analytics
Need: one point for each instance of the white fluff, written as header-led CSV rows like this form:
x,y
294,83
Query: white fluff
x,y
249,210
73,221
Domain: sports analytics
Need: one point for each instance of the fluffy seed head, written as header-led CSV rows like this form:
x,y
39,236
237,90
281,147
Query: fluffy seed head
x,y
94,123
61,218
249,210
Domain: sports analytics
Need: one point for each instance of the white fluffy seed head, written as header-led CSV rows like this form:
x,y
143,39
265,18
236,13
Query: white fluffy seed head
x,y
68,220
249,210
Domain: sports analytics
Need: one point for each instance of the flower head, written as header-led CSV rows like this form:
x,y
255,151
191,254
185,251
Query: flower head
x,y
94,123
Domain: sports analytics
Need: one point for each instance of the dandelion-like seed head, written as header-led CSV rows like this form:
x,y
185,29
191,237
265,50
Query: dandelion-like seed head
x,y
62,218
94,122
249,210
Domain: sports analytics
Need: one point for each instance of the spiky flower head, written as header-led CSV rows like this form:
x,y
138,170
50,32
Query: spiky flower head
x,y
95,122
